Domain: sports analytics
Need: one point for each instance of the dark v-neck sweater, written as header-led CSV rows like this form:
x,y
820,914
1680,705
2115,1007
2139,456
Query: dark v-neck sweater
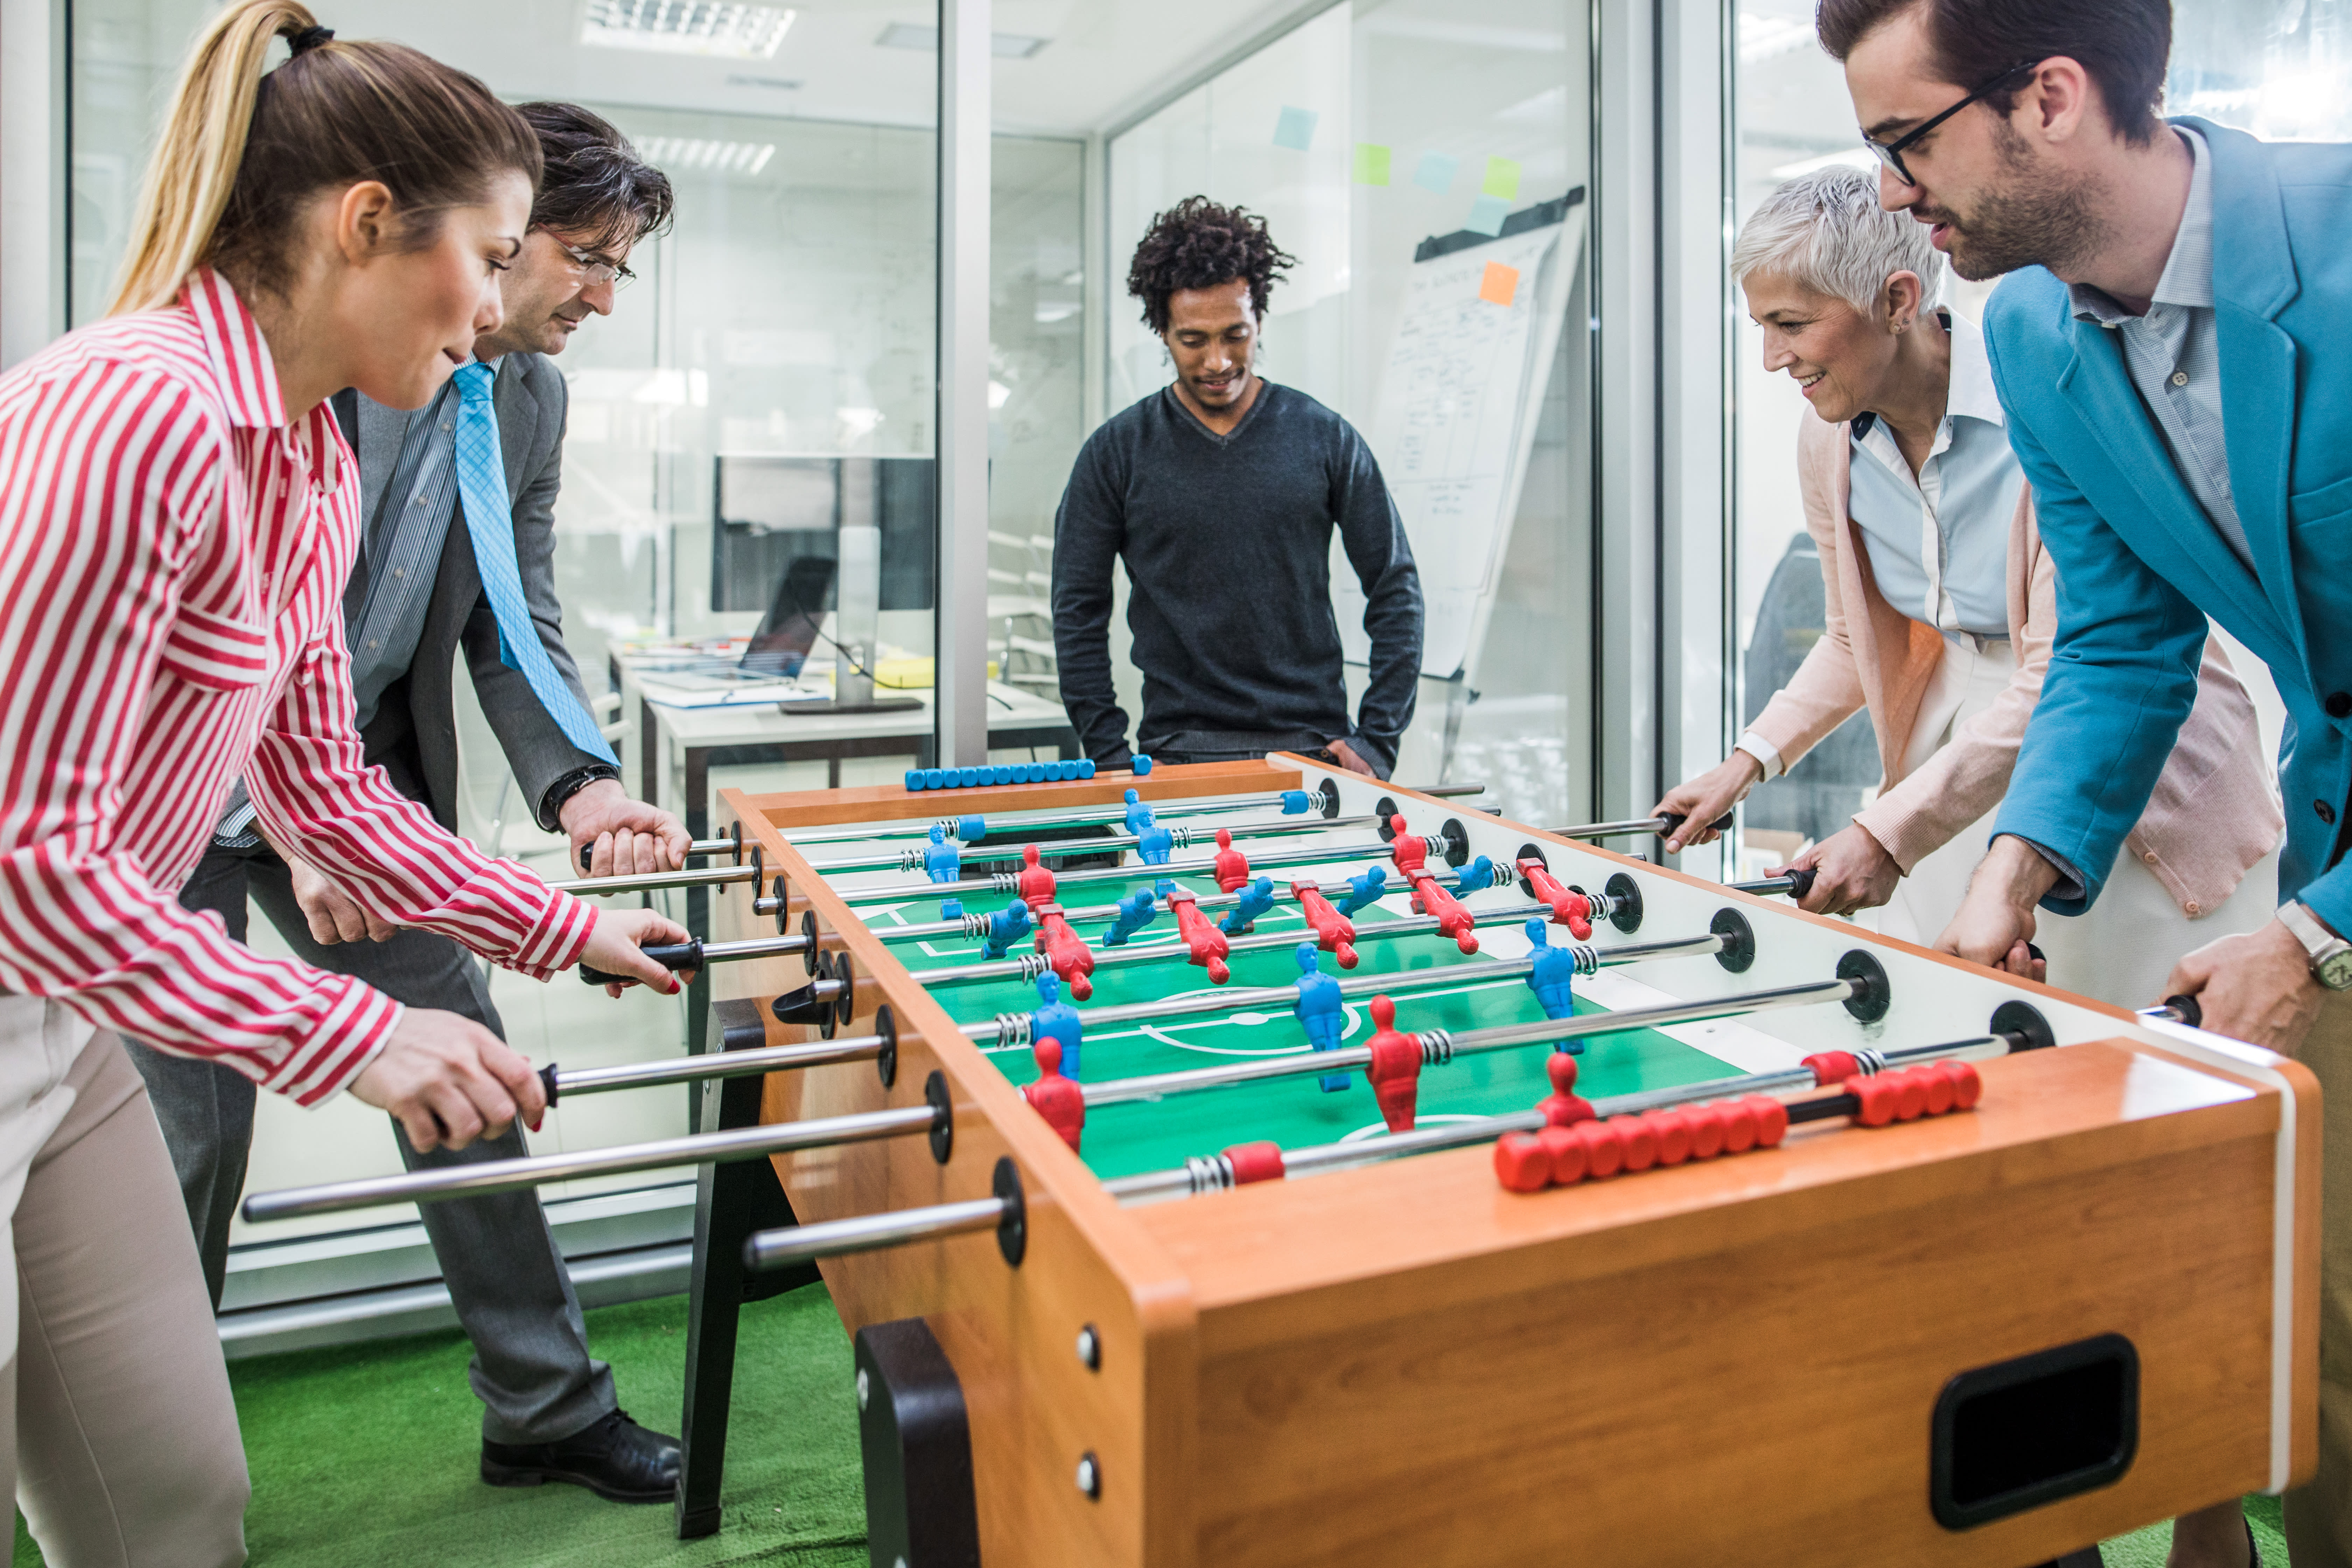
x,y
1227,541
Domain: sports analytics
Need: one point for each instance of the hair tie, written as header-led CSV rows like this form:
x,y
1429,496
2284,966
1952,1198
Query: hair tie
x,y
309,38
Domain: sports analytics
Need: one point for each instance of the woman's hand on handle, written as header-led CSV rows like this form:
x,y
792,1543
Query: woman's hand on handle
x,y
1706,799
1851,870
448,1081
1995,923
614,947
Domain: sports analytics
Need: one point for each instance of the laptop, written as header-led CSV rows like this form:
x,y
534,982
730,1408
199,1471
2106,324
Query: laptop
x,y
779,647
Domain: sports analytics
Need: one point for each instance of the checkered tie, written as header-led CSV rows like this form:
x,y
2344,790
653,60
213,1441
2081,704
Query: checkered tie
x,y
489,522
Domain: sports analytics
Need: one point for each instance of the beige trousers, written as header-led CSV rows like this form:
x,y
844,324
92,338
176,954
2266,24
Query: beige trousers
x,y
122,1447
2319,1514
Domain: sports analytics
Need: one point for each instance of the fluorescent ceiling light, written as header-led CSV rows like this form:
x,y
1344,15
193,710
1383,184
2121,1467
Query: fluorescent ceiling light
x,y
1004,46
702,154
1854,158
713,27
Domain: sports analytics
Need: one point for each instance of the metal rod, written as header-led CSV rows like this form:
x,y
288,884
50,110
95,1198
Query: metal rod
x,y
685,955
513,1175
781,1247
1251,998
1038,821
1205,1174
1452,791
713,1064
653,881
897,859
1033,965
1004,880
1440,1045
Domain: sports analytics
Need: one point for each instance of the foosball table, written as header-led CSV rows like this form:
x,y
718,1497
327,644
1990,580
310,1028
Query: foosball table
x,y
1397,1184
1256,1164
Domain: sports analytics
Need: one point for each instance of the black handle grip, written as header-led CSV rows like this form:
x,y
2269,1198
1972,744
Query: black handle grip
x,y
2035,952
547,1081
1801,880
587,854
673,956
2187,1009
1674,819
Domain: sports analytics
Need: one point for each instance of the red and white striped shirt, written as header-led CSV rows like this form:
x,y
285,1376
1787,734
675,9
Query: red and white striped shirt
x,y
173,557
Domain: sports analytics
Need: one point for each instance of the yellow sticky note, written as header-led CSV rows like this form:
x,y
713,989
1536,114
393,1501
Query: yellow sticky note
x,y
1502,179
1372,164
1500,286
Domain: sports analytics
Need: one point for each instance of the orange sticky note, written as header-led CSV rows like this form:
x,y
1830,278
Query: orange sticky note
x,y
1500,285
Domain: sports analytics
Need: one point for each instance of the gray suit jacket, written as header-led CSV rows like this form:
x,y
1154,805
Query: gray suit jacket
x,y
413,735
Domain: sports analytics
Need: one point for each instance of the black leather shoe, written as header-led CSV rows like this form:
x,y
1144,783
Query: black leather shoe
x,y
615,1459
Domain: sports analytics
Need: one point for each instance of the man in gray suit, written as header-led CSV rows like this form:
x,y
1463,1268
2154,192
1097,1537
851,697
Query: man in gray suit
x,y
437,575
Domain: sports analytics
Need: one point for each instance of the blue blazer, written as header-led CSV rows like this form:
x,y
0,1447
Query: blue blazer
x,y
2140,566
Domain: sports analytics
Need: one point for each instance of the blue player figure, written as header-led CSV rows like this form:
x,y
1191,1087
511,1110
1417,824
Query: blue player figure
x,y
1369,885
1005,927
1138,815
1255,900
1135,911
1153,844
1552,979
1057,1020
941,863
950,908
1477,877
1321,1013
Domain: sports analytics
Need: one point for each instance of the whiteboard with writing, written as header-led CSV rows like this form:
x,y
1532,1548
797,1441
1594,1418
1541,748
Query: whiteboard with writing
x,y
1453,424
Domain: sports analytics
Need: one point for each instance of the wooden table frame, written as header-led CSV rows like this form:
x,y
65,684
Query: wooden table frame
x,y
1726,1362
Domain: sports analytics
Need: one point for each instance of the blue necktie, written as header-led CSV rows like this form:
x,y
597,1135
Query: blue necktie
x,y
489,522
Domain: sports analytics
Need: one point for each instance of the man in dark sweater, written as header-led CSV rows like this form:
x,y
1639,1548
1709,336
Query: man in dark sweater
x,y
1220,492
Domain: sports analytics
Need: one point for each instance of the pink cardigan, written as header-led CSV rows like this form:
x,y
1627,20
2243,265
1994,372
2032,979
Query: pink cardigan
x,y
2214,812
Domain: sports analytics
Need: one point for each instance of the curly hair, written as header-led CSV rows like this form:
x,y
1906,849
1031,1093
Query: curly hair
x,y
1196,244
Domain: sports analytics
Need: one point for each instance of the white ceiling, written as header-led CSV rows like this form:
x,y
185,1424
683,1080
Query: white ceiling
x,y
1103,58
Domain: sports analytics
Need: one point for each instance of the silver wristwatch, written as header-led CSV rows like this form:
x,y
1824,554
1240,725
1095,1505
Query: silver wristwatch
x,y
2331,955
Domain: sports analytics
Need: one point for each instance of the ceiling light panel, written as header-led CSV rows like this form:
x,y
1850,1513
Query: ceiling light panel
x,y
709,27
1004,46
697,155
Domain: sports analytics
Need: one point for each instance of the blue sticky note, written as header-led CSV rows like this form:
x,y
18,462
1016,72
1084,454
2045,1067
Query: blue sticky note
x,y
1295,129
1435,171
1487,214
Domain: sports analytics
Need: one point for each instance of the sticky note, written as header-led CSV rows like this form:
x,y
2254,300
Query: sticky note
x,y
1372,164
1435,171
1500,285
1296,129
1502,179
1487,214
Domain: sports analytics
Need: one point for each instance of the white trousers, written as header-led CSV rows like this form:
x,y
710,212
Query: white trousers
x,y
2122,948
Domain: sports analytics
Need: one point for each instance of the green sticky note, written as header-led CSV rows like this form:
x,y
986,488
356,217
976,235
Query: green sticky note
x,y
1502,179
1372,164
1295,129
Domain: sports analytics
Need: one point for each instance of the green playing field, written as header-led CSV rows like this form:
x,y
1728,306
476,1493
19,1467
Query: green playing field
x,y
1149,1135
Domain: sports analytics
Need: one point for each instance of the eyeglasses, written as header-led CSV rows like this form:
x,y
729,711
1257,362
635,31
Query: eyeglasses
x,y
1891,154
594,270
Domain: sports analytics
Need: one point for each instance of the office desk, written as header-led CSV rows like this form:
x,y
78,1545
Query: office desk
x,y
685,743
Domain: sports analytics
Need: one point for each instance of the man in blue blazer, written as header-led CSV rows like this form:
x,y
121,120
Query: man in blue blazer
x,y
2173,349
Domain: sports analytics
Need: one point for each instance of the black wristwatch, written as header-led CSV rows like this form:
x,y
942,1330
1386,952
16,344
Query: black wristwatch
x,y
551,804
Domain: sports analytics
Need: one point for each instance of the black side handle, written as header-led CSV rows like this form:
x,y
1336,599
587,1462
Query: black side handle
x,y
1800,881
673,956
2183,1010
547,1081
1674,819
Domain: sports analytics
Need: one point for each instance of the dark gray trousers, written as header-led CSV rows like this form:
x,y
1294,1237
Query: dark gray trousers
x,y
531,1368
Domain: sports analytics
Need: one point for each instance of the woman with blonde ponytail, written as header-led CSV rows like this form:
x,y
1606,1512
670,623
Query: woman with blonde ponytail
x,y
178,517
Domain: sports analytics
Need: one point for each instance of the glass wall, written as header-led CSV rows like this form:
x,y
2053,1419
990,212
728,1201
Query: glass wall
x,y
1428,165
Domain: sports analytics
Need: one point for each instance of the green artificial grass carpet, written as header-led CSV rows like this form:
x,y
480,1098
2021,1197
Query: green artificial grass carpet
x,y
369,1453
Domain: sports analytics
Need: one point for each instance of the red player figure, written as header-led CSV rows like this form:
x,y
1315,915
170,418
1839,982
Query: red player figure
x,y
1569,909
1233,866
1199,934
1071,958
1395,1068
1453,920
1563,1107
1062,1103
1035,883
1334,932
1406,849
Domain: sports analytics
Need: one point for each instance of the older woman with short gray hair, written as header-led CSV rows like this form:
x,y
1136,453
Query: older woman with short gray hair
x,y
1940,609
